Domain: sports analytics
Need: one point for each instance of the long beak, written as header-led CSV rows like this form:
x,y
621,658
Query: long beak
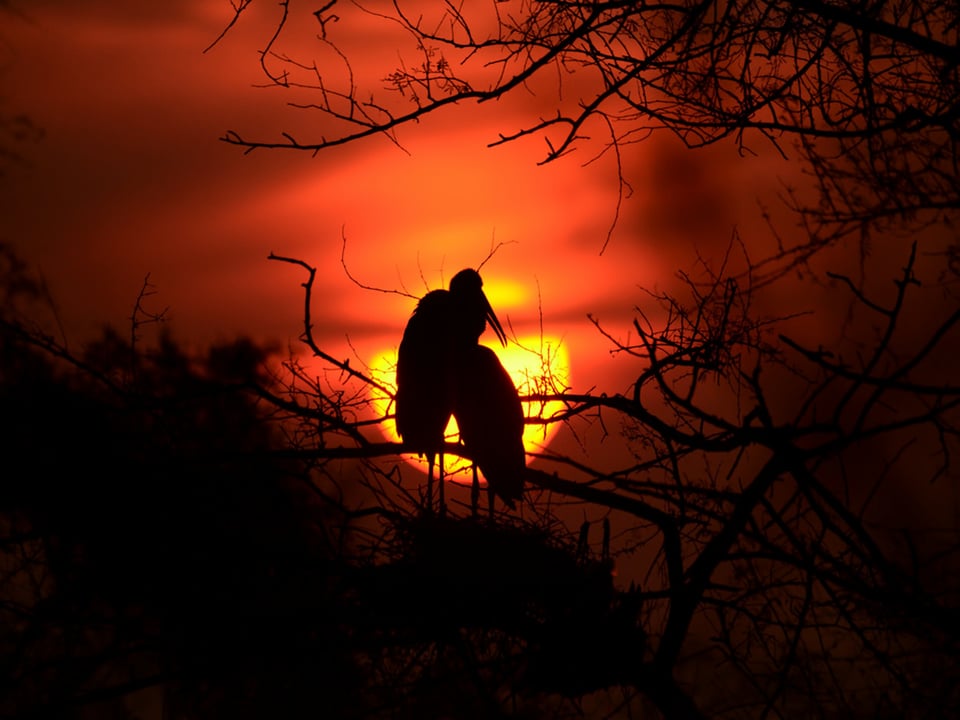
x,y
494,323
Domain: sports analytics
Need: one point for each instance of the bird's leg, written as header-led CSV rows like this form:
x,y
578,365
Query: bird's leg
x,y
490,498
443,504
430,461
475,491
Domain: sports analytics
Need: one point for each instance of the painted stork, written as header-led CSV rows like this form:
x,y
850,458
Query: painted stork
x,y
437,354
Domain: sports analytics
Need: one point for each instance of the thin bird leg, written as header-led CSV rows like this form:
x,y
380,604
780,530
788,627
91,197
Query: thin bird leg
x,y
475,491
443,504
430,461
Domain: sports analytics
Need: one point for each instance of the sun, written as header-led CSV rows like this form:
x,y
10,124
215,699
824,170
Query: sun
x,y
538,367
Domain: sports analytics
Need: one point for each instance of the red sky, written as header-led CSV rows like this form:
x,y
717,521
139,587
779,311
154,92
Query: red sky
x,y
130,179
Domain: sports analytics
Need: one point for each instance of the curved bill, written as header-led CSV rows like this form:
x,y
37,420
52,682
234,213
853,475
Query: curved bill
x,y
494,323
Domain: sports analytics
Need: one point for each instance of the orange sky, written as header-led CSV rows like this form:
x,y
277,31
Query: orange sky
x,y
131,179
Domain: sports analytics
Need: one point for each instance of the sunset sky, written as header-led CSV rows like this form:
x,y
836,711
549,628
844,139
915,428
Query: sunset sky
x,y
130,179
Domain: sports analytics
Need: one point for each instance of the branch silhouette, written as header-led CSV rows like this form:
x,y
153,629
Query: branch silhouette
x,y
810,80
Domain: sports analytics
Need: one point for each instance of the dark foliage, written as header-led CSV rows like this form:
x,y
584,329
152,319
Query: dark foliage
x,y
165,553
149,540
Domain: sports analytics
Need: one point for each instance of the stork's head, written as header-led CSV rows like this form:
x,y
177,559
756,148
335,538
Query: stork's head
x,y
466,288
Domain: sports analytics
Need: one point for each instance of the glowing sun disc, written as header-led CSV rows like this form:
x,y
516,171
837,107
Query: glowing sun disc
x,y
537,367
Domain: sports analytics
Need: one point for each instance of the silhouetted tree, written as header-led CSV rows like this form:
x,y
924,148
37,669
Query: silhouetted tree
x,y
154,544
776,526
867,94
245,543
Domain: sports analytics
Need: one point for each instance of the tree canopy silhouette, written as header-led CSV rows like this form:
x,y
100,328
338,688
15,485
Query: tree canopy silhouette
x,y
152,545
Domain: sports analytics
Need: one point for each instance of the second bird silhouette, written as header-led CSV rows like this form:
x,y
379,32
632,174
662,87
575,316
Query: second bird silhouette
x,y
442,371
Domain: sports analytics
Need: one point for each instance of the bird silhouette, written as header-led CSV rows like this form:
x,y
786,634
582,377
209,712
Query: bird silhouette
x,y
442,331
490,417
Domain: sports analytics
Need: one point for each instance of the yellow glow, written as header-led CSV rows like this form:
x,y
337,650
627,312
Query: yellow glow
x,y
537,366
504,295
